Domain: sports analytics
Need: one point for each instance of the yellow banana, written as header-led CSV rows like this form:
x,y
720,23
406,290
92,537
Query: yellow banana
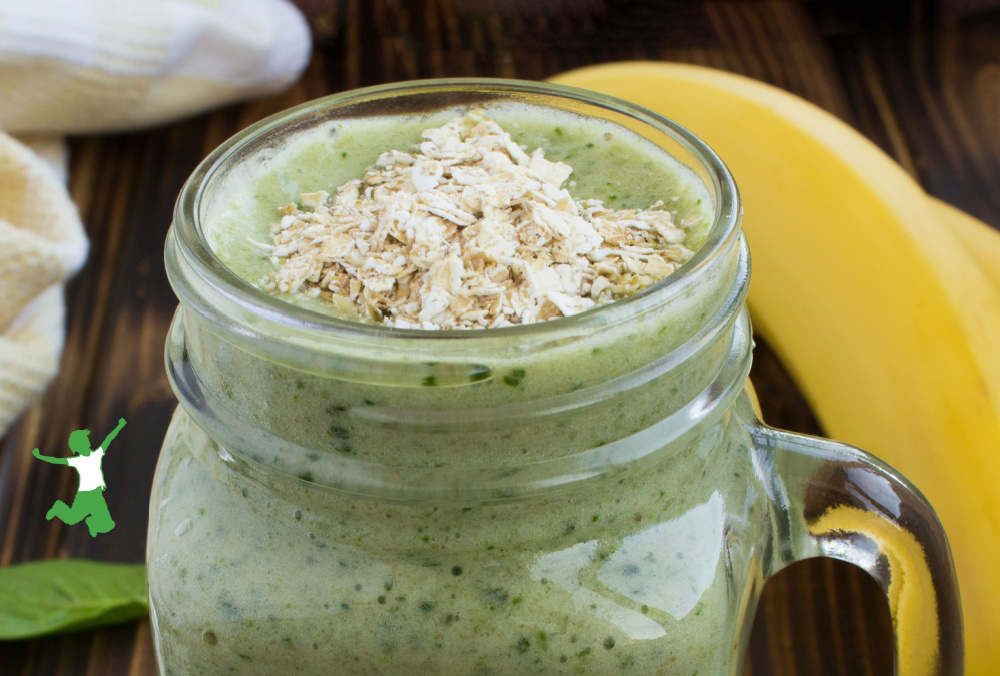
x,y
881,315
980,240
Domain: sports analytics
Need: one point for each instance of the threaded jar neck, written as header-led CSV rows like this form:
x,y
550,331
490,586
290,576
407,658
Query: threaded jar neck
x,y
438,414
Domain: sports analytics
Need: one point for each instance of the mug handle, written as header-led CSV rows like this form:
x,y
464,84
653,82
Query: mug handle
x,y
831,499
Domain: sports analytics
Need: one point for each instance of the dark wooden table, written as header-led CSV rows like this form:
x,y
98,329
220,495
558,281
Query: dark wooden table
x,y
921,80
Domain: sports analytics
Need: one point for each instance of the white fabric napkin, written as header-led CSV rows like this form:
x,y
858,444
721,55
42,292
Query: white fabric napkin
x,y
71,66
77,66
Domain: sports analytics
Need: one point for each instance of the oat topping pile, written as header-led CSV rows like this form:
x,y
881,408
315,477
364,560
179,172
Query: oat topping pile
x,y
469,232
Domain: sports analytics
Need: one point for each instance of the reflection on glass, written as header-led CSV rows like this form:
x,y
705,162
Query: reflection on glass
x,y
668,566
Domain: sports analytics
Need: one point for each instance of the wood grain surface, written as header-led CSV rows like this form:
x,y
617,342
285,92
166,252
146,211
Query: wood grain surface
x,y
921,83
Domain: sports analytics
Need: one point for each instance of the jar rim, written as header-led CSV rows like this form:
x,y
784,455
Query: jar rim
x,y
226,286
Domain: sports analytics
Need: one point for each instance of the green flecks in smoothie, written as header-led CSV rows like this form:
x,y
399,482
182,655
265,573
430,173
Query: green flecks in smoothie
x,y
429,381
480,373
523,645
244,656
604,552
514,377
583,653
334,409
569,528
343,448
228,609
590,144
700,606
339,432
426,606
305,476
496,596
299,384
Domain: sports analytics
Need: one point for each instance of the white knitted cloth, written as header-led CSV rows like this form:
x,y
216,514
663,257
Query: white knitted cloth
x,y
75,66
71,66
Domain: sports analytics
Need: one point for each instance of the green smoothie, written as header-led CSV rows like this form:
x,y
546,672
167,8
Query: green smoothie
x,y
610,164
518,507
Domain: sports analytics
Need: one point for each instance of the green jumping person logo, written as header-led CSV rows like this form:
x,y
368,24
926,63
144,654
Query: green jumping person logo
x,y
89,501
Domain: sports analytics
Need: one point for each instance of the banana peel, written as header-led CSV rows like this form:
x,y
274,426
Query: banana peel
x,y
980,240
868,295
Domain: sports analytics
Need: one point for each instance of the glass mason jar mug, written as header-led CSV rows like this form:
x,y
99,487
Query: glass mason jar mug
x,y
586,495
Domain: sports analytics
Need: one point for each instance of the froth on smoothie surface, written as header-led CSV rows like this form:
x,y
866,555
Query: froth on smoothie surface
x,y
468,228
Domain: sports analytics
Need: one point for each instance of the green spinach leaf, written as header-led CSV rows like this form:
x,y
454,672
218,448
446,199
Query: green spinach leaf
x,y
64,595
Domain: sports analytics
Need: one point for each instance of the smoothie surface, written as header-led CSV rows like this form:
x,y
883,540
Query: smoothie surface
x,y
609,163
